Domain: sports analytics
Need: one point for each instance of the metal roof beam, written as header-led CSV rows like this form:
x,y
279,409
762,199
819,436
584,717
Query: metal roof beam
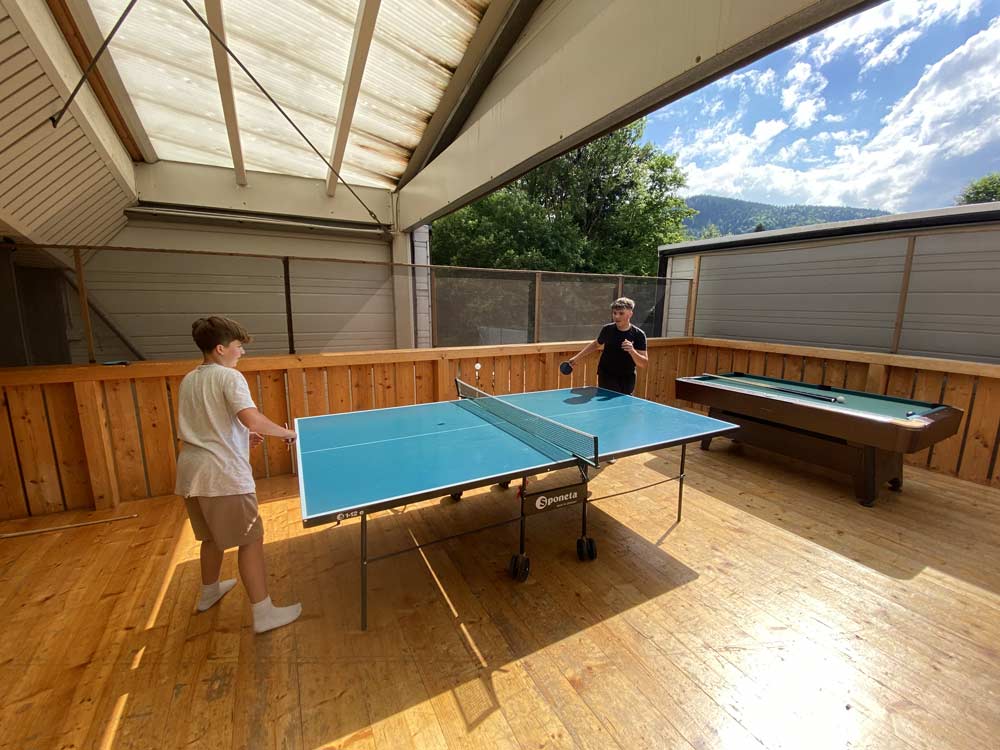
x,y
364,30
213,9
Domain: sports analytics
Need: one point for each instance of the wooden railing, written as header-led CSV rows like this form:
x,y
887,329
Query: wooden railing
x,y
88,436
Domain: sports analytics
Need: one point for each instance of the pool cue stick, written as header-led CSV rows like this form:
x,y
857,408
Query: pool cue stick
x,y
13,534
818,397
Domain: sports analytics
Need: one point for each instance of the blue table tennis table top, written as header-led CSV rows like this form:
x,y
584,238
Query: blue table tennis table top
x,y
380,458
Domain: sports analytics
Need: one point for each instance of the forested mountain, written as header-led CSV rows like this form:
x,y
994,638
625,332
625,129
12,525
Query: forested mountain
x,y
731,216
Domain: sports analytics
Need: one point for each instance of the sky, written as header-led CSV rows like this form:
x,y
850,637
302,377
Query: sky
x,y
896,108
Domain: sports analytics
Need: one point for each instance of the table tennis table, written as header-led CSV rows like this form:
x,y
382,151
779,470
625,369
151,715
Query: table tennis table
x,y
357,463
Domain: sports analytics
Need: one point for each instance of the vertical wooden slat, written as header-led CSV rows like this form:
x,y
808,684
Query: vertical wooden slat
x,y
316,398
668,386
274,405
501,375
984,421
550,371
95,424
701,359
793,367
725,361
774,365
486,374
441,379
900,382
957,393
516,374
533,364
174,390
258,460
71,457
857,376
741,360
338,381
641,382
125,439
297,399
34,448
927,388
383,385
878,378
405,385
157,437
362,396
756,363
835,373
13,503
812,370
423,376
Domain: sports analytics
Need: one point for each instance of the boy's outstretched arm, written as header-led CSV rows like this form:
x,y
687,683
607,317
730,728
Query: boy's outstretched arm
x,y
254,421
584,352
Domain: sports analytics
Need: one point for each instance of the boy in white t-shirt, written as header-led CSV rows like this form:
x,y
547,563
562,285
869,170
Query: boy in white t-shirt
x,y
217,422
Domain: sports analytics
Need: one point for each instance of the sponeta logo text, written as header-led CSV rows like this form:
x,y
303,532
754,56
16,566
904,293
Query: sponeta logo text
x,y
544,502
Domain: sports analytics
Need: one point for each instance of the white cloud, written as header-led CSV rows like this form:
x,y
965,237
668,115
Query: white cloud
x,y
802,94
866,33
895,51
834,118
859,95
953,111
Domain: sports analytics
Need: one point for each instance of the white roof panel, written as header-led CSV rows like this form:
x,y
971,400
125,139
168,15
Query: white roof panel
x,y
298,50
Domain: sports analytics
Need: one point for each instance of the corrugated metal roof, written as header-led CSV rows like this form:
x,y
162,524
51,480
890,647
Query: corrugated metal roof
x,y
298,50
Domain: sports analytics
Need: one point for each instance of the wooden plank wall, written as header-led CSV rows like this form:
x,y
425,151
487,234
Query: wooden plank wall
x,y
87,436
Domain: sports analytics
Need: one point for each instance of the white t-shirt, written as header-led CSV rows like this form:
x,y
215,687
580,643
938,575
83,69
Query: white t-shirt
x,y
215,458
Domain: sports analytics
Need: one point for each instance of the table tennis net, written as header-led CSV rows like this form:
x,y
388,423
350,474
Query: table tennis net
x,y
555,440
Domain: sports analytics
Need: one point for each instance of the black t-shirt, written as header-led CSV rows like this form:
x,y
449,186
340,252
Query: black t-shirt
x,y
615,360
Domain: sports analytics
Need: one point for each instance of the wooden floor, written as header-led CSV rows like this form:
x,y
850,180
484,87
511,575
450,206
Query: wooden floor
x,y
778,614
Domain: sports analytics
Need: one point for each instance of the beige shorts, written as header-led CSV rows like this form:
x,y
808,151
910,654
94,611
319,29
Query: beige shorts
x,y
227,520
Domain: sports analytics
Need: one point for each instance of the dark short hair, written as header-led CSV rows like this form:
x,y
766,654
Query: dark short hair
x,y
209,332
623,303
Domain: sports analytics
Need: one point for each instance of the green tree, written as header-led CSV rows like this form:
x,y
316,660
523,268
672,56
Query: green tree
x,y
984,190
603,208
709,232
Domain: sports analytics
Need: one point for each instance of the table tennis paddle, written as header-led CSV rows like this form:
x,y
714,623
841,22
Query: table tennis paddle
x,y
565,368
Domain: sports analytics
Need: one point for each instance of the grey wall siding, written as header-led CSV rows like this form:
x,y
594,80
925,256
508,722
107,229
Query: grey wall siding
x,y
953,304
153,297
842,295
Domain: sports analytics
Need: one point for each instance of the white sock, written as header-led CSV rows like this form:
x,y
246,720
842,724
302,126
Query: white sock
x,y
268,617
212,592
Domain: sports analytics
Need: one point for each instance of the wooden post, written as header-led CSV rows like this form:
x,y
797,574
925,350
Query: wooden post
x,y
692,306
81,290
904,288
538,307
620,292
434,317
288,305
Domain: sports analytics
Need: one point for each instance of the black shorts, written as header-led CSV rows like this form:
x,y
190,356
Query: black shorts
x,y
620,383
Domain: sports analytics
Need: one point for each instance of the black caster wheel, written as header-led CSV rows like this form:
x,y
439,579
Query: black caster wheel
x,y
896,485
504,485
581,548
456,496
591,549
519,568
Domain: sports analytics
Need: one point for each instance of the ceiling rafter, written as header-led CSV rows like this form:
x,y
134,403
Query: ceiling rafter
x,y
364,30
74,23
213,11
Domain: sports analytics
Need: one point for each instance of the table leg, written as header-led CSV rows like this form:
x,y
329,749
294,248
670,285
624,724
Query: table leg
x,y
364,571
680,483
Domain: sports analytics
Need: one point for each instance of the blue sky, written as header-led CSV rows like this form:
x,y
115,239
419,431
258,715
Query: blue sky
x,y
896,108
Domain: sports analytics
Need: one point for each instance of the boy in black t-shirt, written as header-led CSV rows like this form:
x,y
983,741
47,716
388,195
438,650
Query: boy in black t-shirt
x,y
624,349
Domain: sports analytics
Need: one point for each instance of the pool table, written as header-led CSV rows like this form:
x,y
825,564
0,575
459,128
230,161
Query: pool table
x,y
863,435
